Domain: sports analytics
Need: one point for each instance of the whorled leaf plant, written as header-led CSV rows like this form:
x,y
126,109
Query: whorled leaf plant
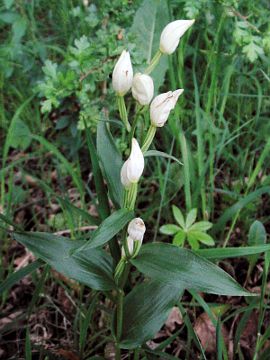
x,y
168,269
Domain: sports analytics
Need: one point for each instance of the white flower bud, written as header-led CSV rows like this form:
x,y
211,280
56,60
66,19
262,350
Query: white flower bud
x,y
136,230
122,74
162,105
171,35
133,167
143,88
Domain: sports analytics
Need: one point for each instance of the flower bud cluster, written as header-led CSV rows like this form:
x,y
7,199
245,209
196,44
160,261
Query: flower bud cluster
x,y
142,87
136,230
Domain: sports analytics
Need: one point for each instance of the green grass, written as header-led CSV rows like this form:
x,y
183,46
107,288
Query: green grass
x,y
219,131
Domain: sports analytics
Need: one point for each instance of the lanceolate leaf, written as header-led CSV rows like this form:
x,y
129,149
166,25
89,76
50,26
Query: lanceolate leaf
x,y
109,228
182,268
146,308
16,276
92,267
149,21
111,161
232,252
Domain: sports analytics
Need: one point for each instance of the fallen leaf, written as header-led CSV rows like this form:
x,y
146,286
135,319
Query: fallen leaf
x,y
206,332
174,318
67,354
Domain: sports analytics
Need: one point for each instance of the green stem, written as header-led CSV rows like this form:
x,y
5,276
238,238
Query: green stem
x,y
153,62
123,112
149,138
136,354
184,151
130,197
139,110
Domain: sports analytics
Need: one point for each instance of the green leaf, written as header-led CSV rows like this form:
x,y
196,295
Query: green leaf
x,y
232,252
20,136
9,17
179,238
146,308
161,154
50,69
178,216
184,269
19,28
203,237
111,161
193,241
77,214
257,234
103,201
169,229
8,3
239,205
16,276
149,21
108,229
92,267
191,217
201,226
252,51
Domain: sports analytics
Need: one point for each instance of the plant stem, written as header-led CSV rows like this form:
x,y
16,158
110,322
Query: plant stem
x,y
130,197
154,62
123,112
119,319
149,138
184,151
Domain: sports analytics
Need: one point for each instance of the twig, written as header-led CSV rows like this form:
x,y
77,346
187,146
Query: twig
x,y
83,228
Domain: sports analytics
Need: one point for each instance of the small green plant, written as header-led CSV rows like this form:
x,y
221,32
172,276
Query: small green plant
x,y
188,229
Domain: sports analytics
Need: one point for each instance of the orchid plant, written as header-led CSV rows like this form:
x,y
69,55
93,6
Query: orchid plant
x,y
166,270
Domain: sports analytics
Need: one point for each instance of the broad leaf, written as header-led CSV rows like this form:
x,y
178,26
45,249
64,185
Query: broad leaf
x,y
257,234
169,229
108,229
149,21
111,161
146,308
92,267
182,268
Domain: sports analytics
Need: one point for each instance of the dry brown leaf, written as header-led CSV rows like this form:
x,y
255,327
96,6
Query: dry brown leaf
x,y
206,332
67,354
174,318
249,335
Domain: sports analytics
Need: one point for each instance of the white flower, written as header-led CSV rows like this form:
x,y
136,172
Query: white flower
x,y
171,35
122,74
133,167
162,105
143,88
136,230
